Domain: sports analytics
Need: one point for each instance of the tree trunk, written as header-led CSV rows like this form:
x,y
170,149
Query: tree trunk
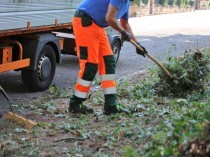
x,y
151,6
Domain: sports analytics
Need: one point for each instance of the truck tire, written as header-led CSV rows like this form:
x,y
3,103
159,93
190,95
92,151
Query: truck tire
x,y
116,47
41,78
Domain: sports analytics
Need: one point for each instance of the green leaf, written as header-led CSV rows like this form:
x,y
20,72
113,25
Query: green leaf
x,y
129,152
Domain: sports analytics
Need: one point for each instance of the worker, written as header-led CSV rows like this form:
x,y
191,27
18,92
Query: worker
x,y
95,53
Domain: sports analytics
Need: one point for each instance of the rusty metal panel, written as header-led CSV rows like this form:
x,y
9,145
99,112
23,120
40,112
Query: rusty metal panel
x,y
5,54
26,14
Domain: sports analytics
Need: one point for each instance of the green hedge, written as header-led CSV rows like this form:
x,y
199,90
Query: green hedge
x,y
139,2
179,3
162,2
171,2
191,3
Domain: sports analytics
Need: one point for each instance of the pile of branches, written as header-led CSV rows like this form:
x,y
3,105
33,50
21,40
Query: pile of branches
x,y
198,147
189,73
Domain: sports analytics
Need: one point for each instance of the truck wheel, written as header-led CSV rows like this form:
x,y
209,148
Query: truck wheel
x,y
41,78
116,46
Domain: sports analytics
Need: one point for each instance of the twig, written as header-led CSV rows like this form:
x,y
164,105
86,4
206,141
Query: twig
x,y
101,147
71,139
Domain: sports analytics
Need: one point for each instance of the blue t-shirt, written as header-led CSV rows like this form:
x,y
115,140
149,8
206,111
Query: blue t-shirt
x,y
97,9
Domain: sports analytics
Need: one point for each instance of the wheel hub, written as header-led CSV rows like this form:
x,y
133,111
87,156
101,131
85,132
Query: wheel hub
x,y
115,50
44,68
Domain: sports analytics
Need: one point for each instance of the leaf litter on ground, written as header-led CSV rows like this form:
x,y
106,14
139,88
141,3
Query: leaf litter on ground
x,y
159,124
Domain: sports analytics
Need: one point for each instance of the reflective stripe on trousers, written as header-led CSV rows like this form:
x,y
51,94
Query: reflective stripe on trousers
x,y
95,55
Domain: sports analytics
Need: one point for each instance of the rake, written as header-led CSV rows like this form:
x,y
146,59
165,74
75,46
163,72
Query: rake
x,y
14,117
153,59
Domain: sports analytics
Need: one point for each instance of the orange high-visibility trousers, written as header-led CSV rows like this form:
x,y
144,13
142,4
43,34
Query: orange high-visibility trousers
x,y
95,55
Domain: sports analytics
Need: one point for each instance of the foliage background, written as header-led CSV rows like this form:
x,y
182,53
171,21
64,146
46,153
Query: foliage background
x,y
179,3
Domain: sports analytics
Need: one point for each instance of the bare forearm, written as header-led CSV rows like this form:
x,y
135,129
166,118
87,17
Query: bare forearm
x,y
111,18
120,27
127,27
112,21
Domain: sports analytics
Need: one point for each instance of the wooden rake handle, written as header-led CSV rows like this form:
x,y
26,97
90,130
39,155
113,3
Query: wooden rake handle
x,y
152,58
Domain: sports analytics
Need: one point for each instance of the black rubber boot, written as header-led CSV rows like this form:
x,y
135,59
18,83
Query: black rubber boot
x,y
76,106
115,109
111,105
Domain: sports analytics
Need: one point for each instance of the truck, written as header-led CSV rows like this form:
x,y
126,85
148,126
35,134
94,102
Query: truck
x,y
33,36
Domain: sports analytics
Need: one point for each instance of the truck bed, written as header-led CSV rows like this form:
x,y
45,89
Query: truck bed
x,y
19,16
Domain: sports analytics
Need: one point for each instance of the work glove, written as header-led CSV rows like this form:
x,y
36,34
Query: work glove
x,y
126,36
141,52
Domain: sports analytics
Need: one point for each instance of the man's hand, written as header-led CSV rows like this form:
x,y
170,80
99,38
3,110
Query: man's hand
x,y
126,36
141,52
